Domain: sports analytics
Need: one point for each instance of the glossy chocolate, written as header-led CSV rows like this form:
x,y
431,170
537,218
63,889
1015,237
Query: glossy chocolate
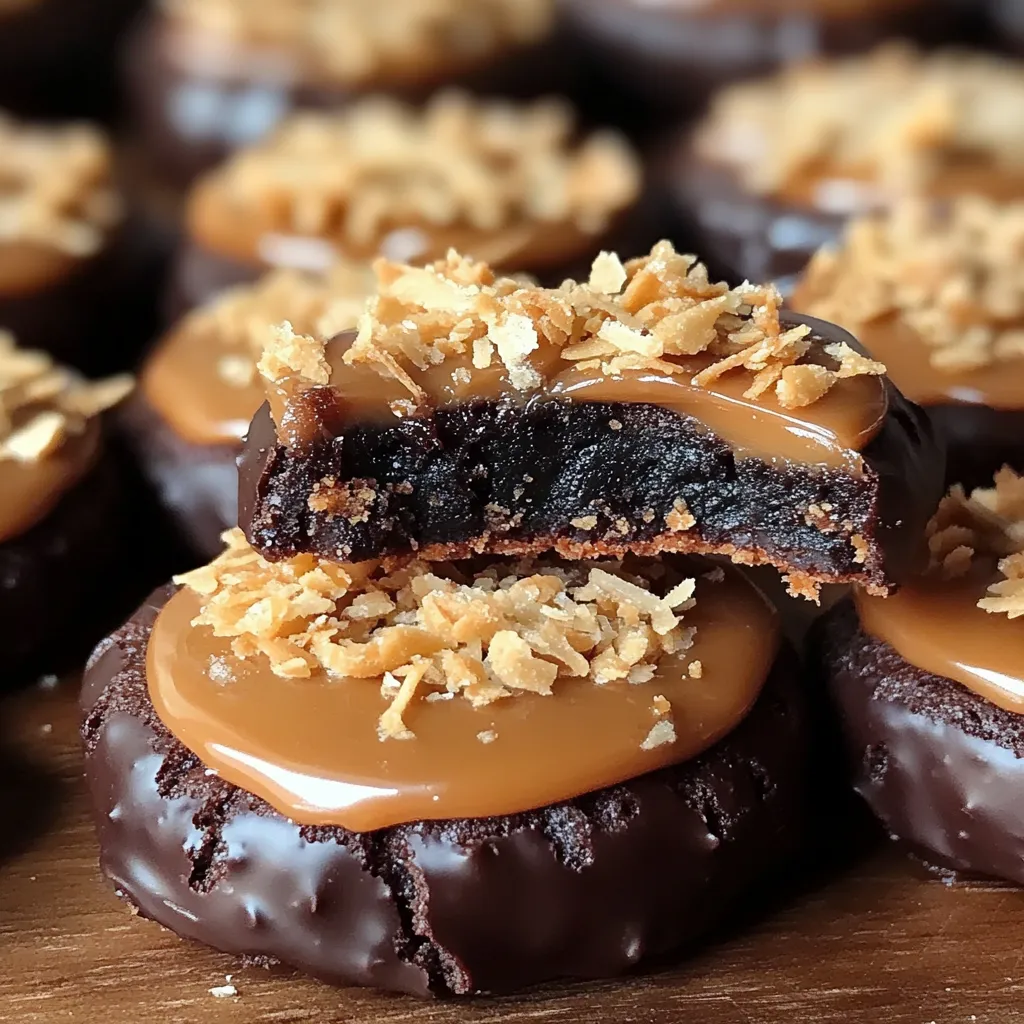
x,y
310,747
942,767
511,477
587,888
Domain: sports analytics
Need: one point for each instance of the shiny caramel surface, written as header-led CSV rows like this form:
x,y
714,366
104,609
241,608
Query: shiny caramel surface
x,y
310,747
938,626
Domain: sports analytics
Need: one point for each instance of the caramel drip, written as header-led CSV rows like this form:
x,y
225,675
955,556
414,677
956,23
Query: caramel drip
x,y
30,490
311,748
242,234
27,267
938,626
907,358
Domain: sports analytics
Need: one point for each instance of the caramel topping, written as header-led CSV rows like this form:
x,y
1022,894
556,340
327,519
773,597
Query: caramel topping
x,y
56,187
380,176
895,118
458,690
49,432
354,41
952,273
950,622
655,330
202,377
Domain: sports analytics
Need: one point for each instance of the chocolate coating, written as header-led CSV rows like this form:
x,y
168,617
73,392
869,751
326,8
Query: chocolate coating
x,y
745,236
100,314
189,122
1008,18
57,57
939,765
979,441
196,484
50,611
675,54
511,478
586,888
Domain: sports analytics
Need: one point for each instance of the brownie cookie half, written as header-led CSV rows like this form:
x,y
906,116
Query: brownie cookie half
x,y
647,410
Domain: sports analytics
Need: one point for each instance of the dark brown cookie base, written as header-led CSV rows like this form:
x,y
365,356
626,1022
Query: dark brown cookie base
x,y
940,766
512,479
197,485
587,888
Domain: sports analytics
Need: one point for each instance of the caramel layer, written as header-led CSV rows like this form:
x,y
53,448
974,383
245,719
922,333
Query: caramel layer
x,y
907,357
26,267
29,490
938,626
311,748
239,233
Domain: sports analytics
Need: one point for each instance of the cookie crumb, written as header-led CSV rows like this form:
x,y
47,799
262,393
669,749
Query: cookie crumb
x,y
223,991
662,733
487,736
695,670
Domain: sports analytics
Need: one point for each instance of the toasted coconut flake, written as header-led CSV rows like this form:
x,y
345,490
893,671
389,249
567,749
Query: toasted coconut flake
x,y
354,177
287,355
896,117
428,631
42,405
662,733
988,523
58,188
355,41
952,272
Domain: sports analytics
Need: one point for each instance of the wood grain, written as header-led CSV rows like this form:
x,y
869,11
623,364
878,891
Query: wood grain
x,y
877,943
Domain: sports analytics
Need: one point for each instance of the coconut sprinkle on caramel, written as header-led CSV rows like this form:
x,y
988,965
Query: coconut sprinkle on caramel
x,y
893,119
380,168
952,272
434,631
241,320
660,313
354,40
56,187
43,406
987,523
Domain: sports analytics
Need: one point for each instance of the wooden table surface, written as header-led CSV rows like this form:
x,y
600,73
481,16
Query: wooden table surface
x,y
876,943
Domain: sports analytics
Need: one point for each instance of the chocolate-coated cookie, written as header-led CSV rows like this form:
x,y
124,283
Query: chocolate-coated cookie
x,y
940,765
586,888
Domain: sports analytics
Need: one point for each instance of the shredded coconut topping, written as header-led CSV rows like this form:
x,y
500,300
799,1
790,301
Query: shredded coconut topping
x,y
380,165
43,405
653,313
894,117
56,187
988,523
355,40
240,320
953,272
428,630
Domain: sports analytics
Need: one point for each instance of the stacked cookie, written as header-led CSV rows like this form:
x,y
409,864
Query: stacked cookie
x,y
466,703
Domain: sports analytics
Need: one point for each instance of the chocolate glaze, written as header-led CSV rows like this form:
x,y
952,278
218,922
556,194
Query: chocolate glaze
x,y
511,478
586,888
101,312
939,765
676,54
196,484
979,441
191,122
1008,16
57,57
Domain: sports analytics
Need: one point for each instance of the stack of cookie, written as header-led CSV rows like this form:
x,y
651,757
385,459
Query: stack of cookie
x,y
471,698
